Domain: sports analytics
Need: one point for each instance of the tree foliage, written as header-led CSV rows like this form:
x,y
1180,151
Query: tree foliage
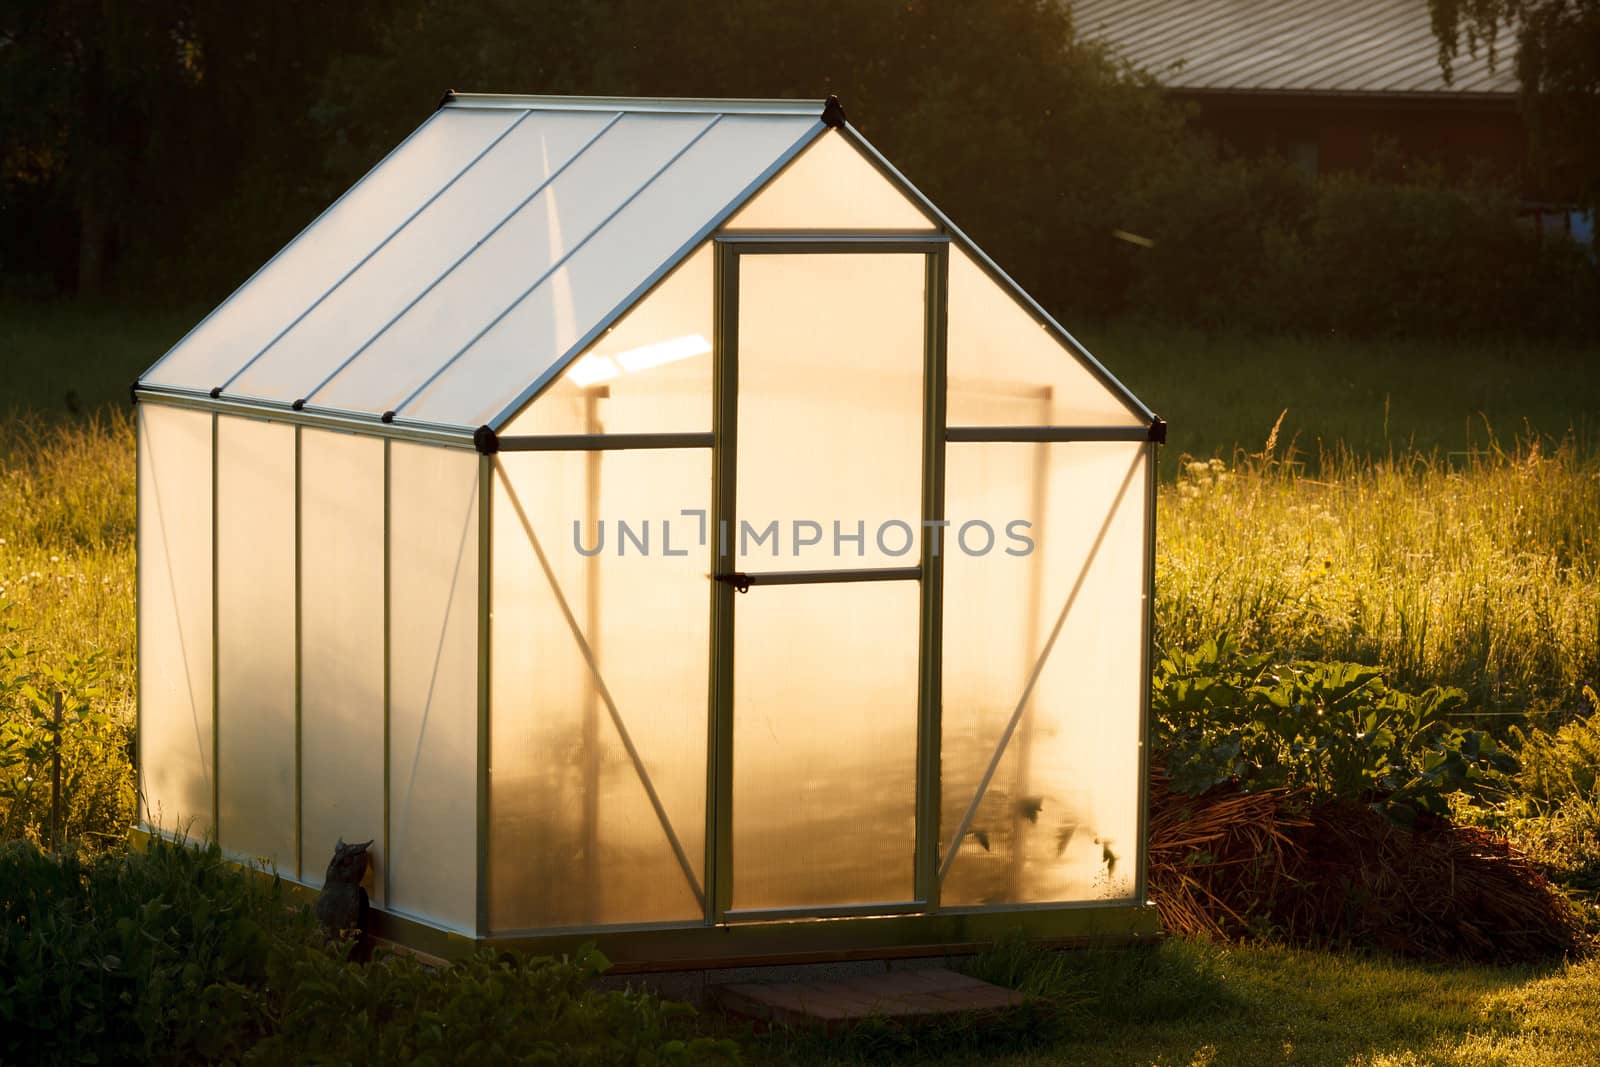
x,y
1558,65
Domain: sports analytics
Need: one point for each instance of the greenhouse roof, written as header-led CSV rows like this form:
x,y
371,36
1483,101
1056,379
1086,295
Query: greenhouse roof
x,y
485,253
482,253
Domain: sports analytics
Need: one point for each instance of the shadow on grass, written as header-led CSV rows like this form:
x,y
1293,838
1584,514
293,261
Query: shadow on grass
x,y
1076,997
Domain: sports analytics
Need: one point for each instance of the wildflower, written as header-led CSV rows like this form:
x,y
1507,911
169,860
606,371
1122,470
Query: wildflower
x,y
55,559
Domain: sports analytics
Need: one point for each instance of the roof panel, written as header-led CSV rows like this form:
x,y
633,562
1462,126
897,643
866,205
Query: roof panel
x,y
652,231
351,314
1366,46
328,249
468,294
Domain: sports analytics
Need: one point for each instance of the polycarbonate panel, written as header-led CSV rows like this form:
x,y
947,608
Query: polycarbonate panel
x,y
824,745
603,275
175,667
574,839
255,640
341,649
327,249
433,684
1059,821
464,214
1007,369
831,186
650,373
541,234
830,411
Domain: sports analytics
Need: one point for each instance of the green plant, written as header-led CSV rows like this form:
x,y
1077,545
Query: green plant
x,y
175,955
1334,730
486,1009
1553,811
93,745
134,957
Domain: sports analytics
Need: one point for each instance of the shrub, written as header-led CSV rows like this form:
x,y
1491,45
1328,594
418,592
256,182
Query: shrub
x,y
1554,810
1336,731
95,747
1258,244
487,1009
175,955
134,957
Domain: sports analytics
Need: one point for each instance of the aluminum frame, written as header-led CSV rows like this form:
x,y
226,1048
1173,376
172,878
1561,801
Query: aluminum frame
x,y
678,105
324,419
909,927
730,248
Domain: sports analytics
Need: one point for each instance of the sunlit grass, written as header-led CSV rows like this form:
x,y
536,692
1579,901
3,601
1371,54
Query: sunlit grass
x,y
1480,572
67,541
1186,1003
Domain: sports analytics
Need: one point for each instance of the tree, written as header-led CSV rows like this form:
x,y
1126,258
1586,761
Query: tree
x,y
1558,64
134,124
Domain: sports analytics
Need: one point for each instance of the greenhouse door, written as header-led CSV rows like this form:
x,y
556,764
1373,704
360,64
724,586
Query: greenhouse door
x,y
821,776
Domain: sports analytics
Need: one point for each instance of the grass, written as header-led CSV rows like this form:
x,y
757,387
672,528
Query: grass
x,y
1217,391
1187,1003
67,541
1483,575
60,358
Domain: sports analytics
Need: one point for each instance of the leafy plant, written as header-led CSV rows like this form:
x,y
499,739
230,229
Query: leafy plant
x,y
486,1009
1335,730
93,746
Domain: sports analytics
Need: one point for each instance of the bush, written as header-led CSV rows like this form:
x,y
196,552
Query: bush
x,y
1554,810
134,957
487,1009
175,955
1261,245
95,747
1336,731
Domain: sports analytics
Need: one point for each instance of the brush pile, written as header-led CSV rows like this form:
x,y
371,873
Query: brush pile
x,y
1228,864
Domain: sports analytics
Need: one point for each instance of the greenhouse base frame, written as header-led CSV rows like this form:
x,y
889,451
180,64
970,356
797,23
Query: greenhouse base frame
x,y
693,946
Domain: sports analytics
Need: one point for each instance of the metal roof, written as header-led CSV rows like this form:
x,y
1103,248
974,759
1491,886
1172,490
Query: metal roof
x,y
1356,47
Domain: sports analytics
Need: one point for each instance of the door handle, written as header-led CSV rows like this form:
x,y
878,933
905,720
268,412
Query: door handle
x,y
738,579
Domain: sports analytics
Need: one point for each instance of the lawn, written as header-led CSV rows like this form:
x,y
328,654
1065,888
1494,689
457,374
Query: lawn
x,y
1411,529
1372,397
1184,1003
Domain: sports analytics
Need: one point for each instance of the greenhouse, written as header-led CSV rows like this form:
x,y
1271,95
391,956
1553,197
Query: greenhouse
x,y
651,521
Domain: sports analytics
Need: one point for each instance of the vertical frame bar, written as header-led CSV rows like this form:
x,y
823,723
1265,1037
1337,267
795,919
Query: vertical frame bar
x,y
299,823
140,814
388,881
930,667
725,431
1141,870
485,592
216,645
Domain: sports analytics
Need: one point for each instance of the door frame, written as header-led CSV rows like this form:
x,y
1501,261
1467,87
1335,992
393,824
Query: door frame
x,y
934,246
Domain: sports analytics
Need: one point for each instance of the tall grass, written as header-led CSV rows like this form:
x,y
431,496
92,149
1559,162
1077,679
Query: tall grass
x,y
67,519
1482,572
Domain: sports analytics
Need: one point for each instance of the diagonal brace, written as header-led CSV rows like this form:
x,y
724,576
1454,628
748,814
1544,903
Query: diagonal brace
x,y
601,687
1033,677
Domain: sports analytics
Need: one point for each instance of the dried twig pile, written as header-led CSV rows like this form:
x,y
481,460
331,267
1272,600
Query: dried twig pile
x,y
1228,864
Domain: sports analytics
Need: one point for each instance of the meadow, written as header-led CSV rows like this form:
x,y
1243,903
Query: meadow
x,y
1433,509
